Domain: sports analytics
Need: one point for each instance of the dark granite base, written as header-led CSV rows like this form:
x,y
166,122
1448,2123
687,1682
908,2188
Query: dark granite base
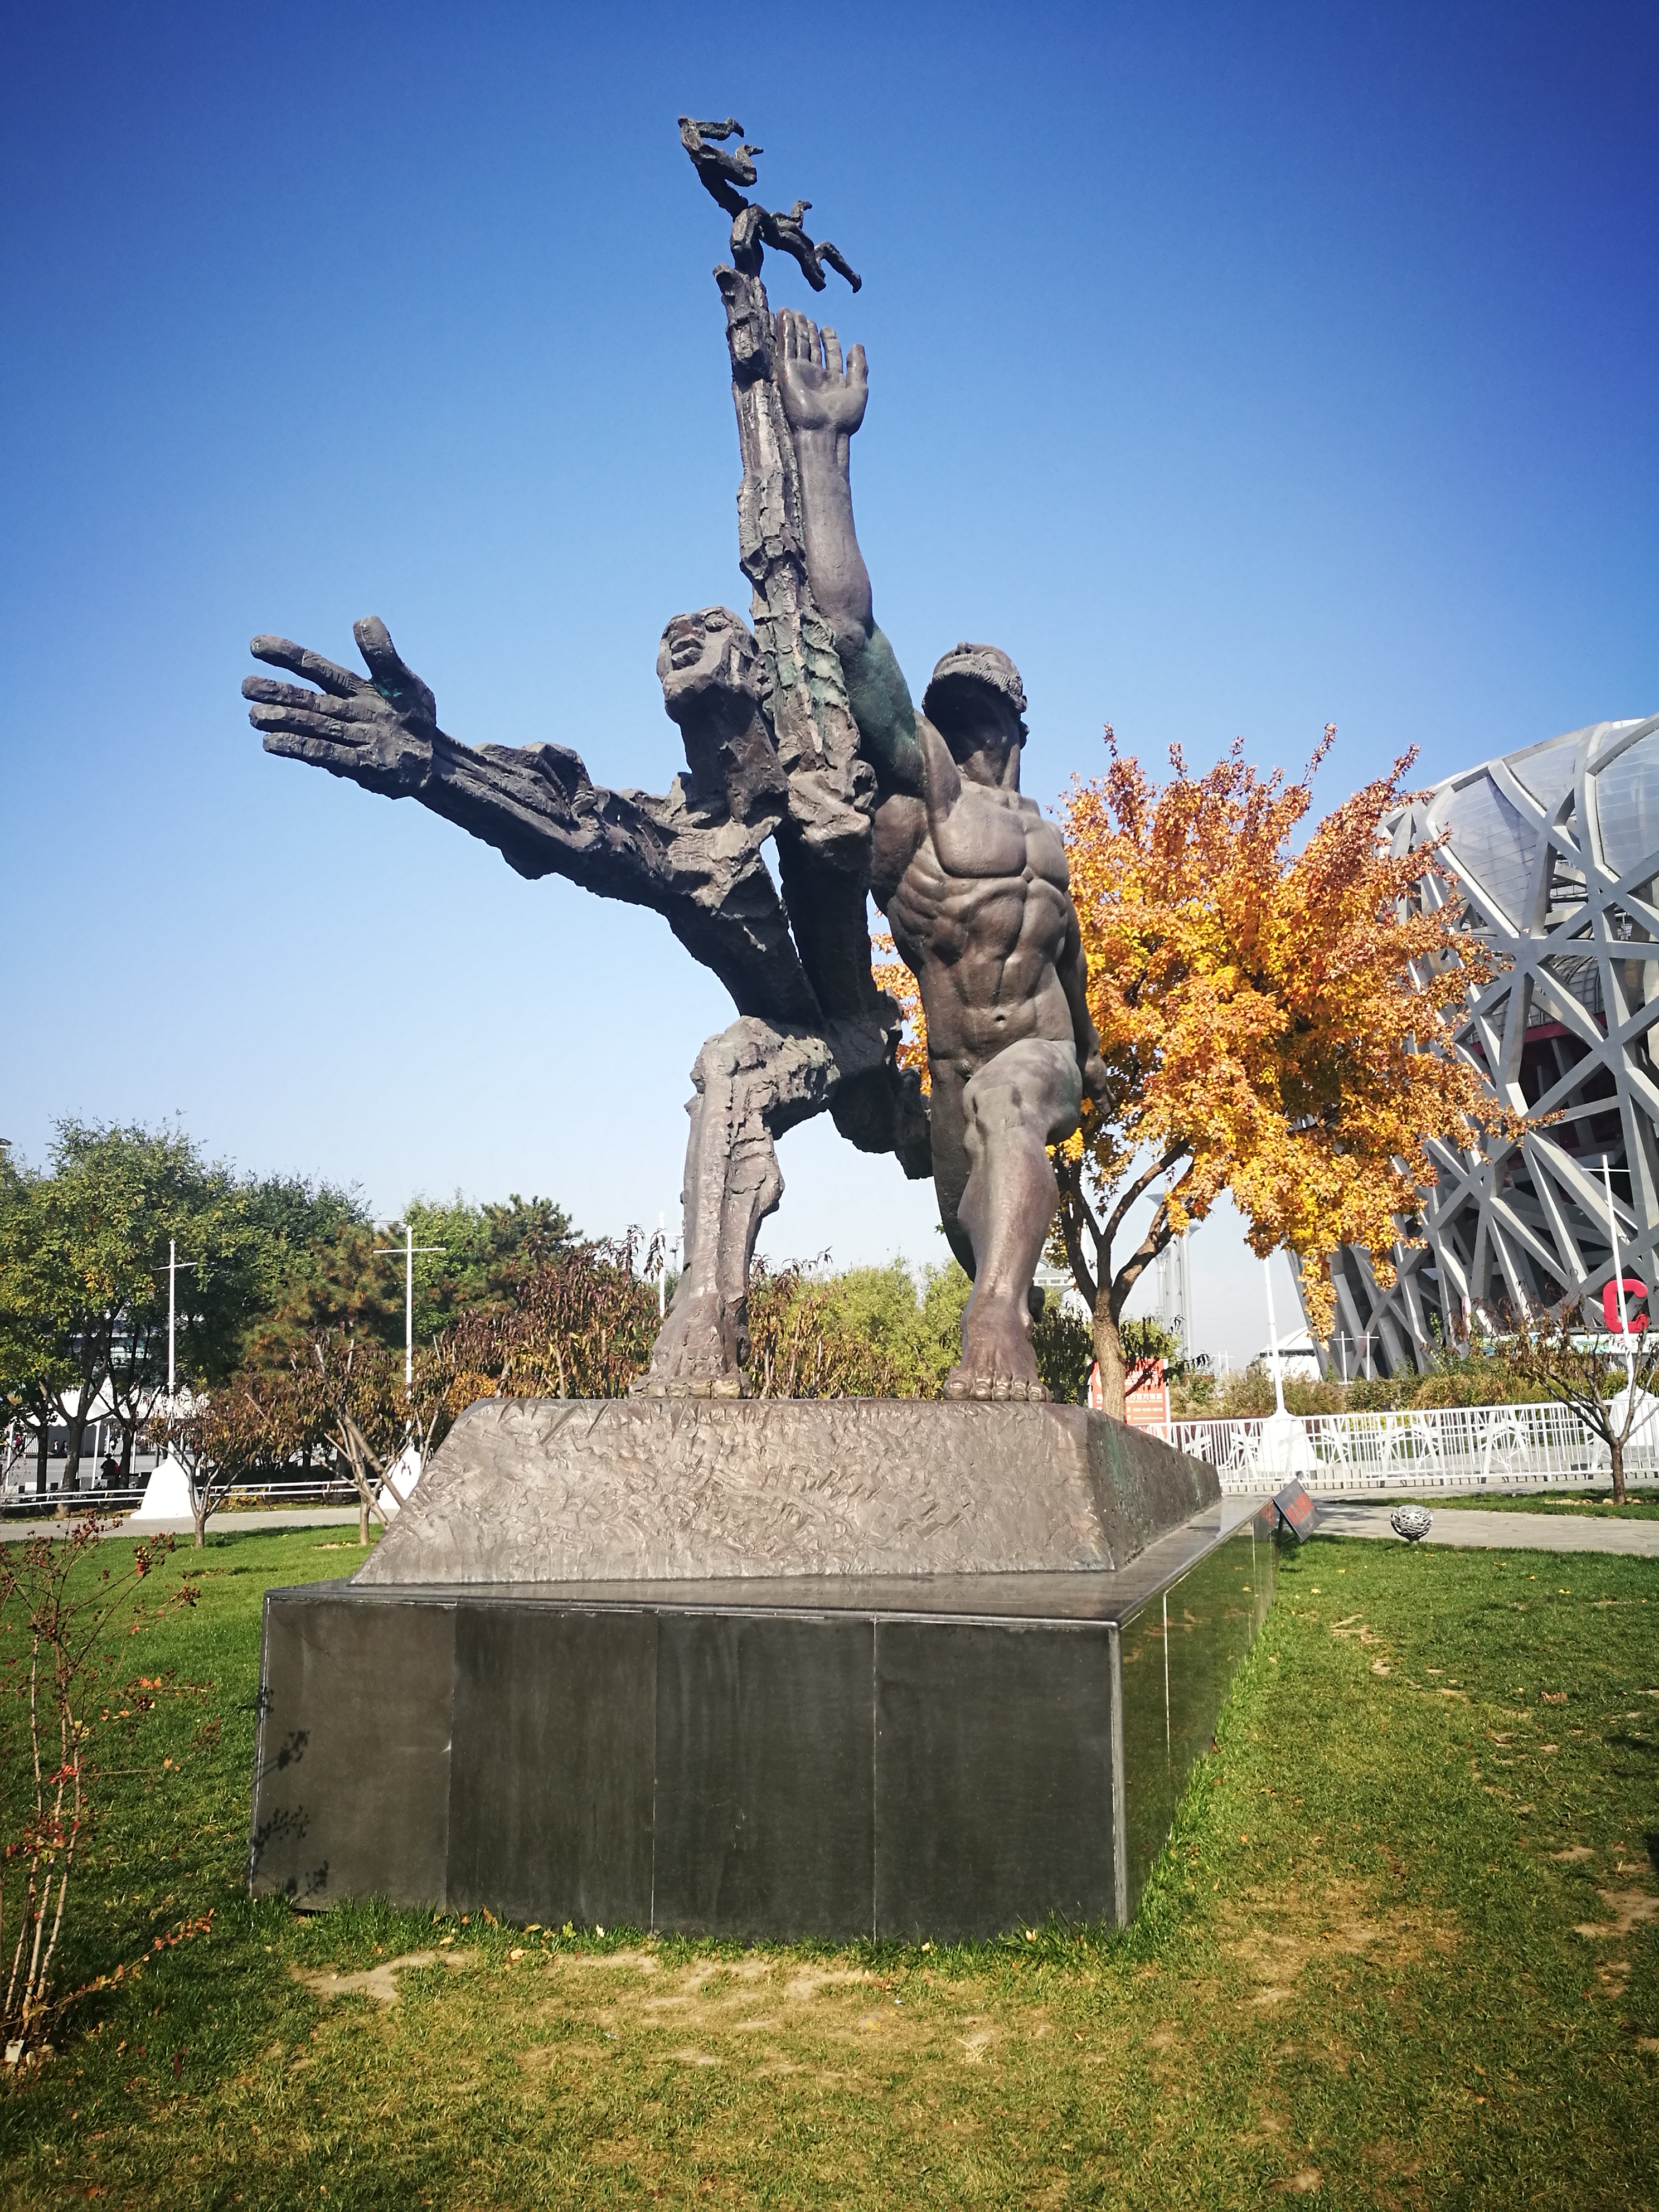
x,y
946,1756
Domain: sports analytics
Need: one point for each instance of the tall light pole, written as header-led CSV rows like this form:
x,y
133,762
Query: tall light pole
x,y
408,1249
1618,1275
174,1263
1273,1340
665,1243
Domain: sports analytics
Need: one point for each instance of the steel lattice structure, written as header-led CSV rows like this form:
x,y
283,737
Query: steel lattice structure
x,y
1555,854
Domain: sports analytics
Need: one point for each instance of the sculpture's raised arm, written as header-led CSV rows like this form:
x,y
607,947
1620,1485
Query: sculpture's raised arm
x,y
823,403
692,854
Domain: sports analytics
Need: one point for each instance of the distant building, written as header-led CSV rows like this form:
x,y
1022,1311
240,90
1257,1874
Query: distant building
x,y
1298,1355
1555,851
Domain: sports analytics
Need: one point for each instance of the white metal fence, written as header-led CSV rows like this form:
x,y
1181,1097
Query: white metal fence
x,y
1439,1448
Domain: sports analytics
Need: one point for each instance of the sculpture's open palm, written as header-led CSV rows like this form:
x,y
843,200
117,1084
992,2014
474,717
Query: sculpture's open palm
x,y
818,394
378,730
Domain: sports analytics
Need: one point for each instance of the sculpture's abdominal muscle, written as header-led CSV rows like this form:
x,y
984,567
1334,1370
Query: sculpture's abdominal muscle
x,y
984,948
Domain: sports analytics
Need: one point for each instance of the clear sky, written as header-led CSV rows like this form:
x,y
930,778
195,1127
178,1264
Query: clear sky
x,y
1236,369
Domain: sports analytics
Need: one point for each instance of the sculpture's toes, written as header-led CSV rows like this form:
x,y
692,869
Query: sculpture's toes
x,y
997,1364
679,1385
993,1387
690,1359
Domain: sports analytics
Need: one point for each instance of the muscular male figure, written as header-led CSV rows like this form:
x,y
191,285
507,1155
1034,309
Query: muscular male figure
x,y
974,882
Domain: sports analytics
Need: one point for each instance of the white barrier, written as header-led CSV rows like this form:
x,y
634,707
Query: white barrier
x,y
1437,1447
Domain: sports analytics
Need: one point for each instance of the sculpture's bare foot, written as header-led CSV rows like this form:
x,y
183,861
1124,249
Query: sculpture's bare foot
x,y
997,1359
691,1357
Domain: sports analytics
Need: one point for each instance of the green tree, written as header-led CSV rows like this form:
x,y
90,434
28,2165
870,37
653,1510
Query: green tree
x,y
83,1261
487,1253
295,1219
343,1281
1064,1343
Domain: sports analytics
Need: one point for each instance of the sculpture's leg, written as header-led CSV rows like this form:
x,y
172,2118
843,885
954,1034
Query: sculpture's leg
x,y
1018,1103
752,1082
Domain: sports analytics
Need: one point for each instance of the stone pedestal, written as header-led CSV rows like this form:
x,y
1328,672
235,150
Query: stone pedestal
x,y
553,1490
770,1754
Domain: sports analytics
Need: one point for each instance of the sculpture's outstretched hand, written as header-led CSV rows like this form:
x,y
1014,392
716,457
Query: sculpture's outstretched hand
x,y
817,392
378,730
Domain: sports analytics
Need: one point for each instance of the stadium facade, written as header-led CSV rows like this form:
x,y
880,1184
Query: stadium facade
x,y
1555,854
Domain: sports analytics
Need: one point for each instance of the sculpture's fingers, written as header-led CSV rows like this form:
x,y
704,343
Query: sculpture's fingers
x,y
365,705
786,331
811,351
857,369
832,353
393,676
283,653
270,693
316,753
316,725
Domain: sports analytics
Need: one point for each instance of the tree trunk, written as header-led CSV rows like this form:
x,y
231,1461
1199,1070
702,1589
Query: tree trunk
x,y
198,1512
42,1453
1616,1451
78,1436
1109,1351
362,1516
128,1431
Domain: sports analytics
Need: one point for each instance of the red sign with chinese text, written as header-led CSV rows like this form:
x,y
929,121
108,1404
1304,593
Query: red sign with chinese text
x,y
1145,1406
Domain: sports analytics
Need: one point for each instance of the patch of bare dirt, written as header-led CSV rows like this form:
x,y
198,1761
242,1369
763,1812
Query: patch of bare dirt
x,y
1629,1907
640,1962
765,2015
379,1983
1279,1934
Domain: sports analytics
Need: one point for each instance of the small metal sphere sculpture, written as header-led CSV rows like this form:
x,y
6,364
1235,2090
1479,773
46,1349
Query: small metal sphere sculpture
x,y
1411,1521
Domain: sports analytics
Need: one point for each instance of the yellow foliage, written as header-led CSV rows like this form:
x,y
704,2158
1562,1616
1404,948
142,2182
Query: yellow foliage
x,y
1277,1024
895,978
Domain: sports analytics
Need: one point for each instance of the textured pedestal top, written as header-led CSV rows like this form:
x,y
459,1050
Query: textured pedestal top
x,y
540,1490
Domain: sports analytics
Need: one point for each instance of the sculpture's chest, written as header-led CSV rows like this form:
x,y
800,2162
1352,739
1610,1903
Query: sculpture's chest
x,y
983,836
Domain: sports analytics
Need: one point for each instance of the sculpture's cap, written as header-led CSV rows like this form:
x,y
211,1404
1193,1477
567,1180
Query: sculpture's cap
x,y
985,665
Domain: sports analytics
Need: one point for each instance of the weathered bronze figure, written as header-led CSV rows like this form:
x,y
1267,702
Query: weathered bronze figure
x,y
802,732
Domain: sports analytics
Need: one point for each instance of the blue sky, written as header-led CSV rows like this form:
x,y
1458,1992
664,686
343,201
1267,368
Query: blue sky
x,y
1237,370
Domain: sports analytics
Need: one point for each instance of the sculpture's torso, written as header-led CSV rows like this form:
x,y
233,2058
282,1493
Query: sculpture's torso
x,y
980,908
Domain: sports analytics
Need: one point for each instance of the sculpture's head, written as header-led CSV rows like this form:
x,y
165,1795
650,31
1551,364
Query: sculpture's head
x,y
976,703
707,656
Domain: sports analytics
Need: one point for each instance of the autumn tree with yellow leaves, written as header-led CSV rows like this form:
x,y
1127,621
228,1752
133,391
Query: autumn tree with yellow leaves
x,y
1277,1024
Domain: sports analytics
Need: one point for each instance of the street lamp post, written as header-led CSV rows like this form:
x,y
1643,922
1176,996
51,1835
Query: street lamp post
x,y
665,1245
174,1265
409,1247
1273,1340
1619,1276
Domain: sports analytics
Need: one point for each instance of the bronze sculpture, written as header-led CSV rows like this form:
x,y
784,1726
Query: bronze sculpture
x,y
801,733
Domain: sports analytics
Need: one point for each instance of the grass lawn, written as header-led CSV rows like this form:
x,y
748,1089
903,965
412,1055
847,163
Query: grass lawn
x,y
1593,1505
1401,1951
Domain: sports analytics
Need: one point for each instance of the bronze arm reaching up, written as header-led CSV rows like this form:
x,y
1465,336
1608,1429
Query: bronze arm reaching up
x,y
973,879
773,750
